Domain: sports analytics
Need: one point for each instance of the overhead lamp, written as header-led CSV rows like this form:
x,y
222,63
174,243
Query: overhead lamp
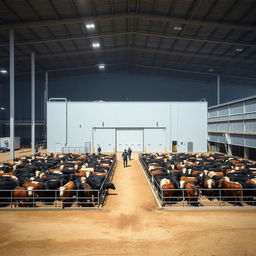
x,y
178,28
101,66
90,26
239,49
3,71
2,108
210,69
96,45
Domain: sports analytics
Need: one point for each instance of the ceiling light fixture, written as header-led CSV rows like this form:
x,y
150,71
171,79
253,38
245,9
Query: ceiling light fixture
x,y
210,69
101,66
239,49
2,108
90,26
178,28
3,71
96,45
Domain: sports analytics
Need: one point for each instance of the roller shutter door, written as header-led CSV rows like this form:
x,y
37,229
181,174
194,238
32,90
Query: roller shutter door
x,y
132,138
154,140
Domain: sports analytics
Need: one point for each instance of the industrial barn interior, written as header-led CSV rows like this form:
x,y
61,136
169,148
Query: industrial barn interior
x,y
128,127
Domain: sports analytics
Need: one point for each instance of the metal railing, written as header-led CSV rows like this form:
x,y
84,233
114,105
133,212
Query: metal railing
x,y
40,199
208,197
217,197
50,198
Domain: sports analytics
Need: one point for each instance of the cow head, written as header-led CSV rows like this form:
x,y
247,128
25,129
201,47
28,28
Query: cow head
x,y
87,174
210,183
83,180
182,183
62,189
30,191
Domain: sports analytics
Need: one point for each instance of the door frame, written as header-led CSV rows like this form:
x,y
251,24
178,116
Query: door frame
x,y
125,128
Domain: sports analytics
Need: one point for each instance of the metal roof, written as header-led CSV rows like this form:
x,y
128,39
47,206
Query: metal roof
x,y
164,36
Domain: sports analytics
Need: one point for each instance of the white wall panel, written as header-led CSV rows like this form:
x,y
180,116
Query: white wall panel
x,y
222,127
184,122
212,113
237,140
56,126
155,140
236,108
250,126
250,106
250,141
236,126
190,125
223,111
105,138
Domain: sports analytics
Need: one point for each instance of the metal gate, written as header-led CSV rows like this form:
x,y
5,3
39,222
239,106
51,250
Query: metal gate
x,y
206,199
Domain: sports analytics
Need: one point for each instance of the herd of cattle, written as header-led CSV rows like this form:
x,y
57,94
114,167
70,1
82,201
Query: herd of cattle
x,y
50,177
179,177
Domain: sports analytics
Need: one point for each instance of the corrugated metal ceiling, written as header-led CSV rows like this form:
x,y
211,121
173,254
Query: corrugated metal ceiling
x,y
190,35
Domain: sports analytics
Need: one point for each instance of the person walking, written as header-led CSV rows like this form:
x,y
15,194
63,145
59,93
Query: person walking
x,y
129,151
99,149
125,158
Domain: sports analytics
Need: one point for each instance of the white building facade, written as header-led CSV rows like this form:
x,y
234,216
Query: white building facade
x,y
115,126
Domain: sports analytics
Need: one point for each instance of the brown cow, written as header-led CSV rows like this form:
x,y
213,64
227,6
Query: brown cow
x,y
191,192
184,179
168,190
209,185
99,173
156,172
22,196
66,194
36,187
86,196
232,190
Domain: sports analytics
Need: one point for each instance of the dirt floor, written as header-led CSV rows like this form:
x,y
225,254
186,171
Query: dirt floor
x,y
129,224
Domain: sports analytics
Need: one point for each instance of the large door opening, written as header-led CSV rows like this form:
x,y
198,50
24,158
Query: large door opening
x,y
132,138
105,138
154,140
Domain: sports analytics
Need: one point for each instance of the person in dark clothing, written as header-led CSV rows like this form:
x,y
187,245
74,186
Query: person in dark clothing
x,y
129,151
99,149
125,158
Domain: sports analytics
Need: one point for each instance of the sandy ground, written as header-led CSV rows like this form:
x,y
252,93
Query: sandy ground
x,y
129,224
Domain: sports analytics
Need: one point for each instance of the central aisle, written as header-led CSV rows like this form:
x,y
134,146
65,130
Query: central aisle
x,y
132,190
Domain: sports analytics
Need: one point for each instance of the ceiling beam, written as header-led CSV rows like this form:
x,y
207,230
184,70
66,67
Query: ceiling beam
x,y
151,17
140,49
124,33
146,59
138,65
191,71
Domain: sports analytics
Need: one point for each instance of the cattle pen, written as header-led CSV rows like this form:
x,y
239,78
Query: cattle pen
x,y
207,198
50,199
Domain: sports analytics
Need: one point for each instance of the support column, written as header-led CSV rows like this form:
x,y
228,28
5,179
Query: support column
x,y
45,97
218,89
45,104
11,41
33,103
